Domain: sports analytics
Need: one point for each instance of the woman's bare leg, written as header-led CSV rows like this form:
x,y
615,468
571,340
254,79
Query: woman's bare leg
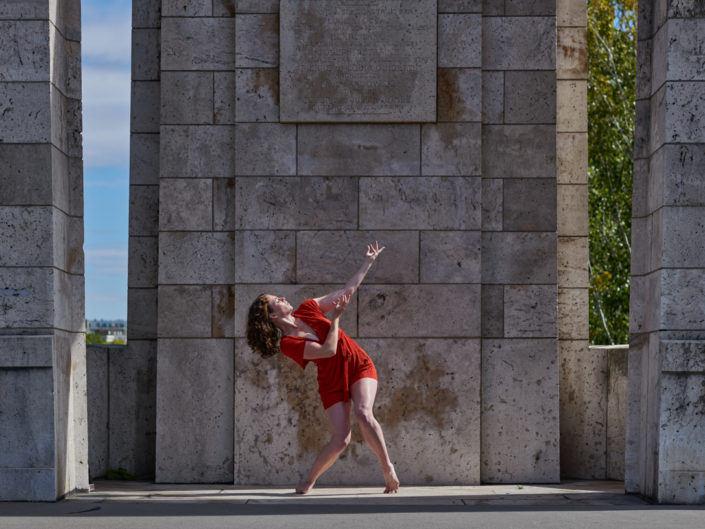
x,y
363,394
339,419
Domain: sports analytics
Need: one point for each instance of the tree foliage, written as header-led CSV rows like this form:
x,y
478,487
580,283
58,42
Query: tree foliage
x,y
611,93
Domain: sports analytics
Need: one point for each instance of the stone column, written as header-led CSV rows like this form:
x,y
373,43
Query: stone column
x,y
43,441
665,430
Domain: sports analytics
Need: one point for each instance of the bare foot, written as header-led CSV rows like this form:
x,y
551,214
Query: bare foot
x,y
390,477
304,487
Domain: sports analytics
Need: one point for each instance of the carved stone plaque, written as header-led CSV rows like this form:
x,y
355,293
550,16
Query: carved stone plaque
x,y
358,61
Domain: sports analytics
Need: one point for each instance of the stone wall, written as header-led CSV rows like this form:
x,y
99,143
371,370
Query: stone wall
x,y
665,431
43,446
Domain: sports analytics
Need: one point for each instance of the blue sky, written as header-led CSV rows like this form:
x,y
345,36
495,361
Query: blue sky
x,y
105,45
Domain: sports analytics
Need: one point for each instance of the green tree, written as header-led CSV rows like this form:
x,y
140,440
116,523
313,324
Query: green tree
x,y
94,338
611,93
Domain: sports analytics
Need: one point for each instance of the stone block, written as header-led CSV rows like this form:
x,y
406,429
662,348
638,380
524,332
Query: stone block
x,y
492,311
679,43
66,190
571,99
520,407
518,258
257,41
460,6
573,314
687,356
450,256
572,158
530,7
460,94
27,236
493,7
26,350
530,97
519,151
573,210
492,204
492,97
573,262
198,44
459,41
419,311
144,113
27,9
245,294
278,203
530,311
185,204
182,8
642,127
205,258
184,311
571,53
359,150
643,69
25,50
146,44
27,408
223,204
529,204
144,159
644,296
571,13
265,256
194,151
680,228
681,487
684,121
142,262
186,98
97,395
616,411
685,9
335,256
264,149
147,14
144,210
224,103
451,149
682,291
337,76
28,484
141,313
519,43
223,311
133,389
194,442
24,174
257,6
27,297
438,203
25,113
583,410
681,182
257,94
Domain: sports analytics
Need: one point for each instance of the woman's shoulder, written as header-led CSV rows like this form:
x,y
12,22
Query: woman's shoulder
x,y
310,306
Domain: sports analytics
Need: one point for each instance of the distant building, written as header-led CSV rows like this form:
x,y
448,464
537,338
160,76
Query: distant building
x,y
110,330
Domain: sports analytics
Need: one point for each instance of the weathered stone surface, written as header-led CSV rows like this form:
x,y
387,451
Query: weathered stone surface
x,y
184,311
451,149
265,149
643,69
257,6
571,99
573,320
141,313
266,256
573,262
278,203
27,297
28,9
681,295
23,178
191,8
682,120
223,204
518,258
679,43
197,150
460,6
360,62
257,94
583,410
642,140
146,45
680,228
681,487
198,44
364,150
492,311
256,41
519,43
185,204
97,395
492,97
142,262
419,311
28,484
132,386
450,256
459,41
223,311
204,258
194,442
519,151
616,411
421,203
459,91
529,204
681,182
571,51
147,14
25,113
682,355
144,210
492,7
573,210
26,351
27,236
24,50
144,159
571,13
145,106
572,158
530,311
530,97
530,7
520,430
492,204
186,98
224,99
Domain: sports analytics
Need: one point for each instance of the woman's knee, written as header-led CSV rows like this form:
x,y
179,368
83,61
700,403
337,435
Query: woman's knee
x,y
364,415
340,442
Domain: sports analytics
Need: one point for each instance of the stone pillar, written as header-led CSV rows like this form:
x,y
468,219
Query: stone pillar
x,y
665,430
43,441
519,243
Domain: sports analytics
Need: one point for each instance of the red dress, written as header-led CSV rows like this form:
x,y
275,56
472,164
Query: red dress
x,y
337,373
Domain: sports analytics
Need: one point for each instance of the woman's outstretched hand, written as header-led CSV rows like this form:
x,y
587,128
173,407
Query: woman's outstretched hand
x,y
374,251
340,304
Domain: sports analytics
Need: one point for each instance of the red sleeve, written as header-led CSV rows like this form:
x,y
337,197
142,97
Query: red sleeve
x,y
294,349
308,308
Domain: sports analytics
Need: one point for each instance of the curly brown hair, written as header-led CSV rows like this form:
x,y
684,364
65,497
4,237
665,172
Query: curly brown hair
x,y
262,335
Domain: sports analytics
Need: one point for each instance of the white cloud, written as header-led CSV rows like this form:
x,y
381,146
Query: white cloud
x,y
106,260
107,39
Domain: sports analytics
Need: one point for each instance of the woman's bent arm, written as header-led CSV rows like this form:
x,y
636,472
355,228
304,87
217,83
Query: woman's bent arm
x,y
315,350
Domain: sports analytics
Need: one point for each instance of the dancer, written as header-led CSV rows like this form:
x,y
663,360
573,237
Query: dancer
x,y
345,372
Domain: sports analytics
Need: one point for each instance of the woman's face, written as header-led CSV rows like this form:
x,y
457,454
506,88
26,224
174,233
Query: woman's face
x,y
278,307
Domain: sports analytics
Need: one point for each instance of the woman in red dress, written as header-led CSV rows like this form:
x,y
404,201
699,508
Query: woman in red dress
x,y
345,372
